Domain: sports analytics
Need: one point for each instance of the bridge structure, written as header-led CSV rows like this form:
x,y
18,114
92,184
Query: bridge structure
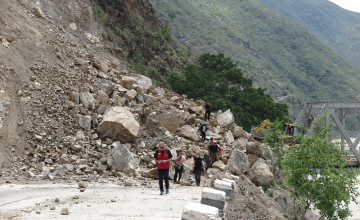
x,y
318,109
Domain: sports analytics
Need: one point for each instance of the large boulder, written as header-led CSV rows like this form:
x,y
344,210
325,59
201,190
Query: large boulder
x,y
87,100
261,173
256,148
144,82
190,119
195,150
150,173
210,134
118,99
84,121
190,133
128,81
119,124
102,98
121,159
74,96
196,110
252,159
240,142
101,64
160,91
226,120
169,119
130,95
238,162
105,85
229,138
220,165
238,132
189,168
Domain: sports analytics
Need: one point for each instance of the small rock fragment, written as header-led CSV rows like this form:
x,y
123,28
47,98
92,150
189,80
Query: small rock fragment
x,y
82,185
65,211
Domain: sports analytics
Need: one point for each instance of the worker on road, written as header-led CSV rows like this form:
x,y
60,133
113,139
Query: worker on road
x,y
163,157
198,168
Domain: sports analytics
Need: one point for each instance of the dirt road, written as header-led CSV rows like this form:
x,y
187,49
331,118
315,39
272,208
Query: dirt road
x,y
99,201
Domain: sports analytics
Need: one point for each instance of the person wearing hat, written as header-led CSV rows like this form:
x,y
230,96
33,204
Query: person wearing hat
x,y
163,157
203,129
179,164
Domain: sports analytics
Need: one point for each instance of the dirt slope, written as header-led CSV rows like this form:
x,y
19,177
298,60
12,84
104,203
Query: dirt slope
x,y
32,33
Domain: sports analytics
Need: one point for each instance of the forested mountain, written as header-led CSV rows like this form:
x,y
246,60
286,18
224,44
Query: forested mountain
x,y
336,27
273,50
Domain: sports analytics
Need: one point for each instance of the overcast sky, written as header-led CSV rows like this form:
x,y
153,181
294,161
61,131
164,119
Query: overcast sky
x,y
352,5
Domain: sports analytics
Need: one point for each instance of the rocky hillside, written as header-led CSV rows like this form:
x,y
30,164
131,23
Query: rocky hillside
x,y
144,41
336,27
71,109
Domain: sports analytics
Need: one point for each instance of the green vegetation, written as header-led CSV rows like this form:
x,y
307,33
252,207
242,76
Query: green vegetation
x,y
165,33
311,175
338,30
274,51
218,80
100,14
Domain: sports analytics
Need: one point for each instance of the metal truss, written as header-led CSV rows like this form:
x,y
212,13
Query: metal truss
x,y
310,114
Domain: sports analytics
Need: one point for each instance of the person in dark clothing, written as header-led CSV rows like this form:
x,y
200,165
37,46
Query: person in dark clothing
x,y
213,151
198,168
203,129
208,162
208,111
163,157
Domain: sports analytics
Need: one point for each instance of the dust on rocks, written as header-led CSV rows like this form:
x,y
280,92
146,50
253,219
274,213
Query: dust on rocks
x,y
74,112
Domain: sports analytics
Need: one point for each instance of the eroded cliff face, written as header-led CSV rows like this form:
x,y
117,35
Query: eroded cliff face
x,y
39,43
134,27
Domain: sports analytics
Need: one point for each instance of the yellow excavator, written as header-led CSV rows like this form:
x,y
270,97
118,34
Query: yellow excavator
x,y
293,130
289,129
256,133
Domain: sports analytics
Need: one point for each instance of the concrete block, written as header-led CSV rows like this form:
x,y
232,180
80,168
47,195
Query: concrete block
x,y
233,183
197,211
223,186
236,178
213,197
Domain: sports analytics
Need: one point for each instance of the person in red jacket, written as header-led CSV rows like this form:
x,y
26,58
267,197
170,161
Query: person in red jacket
x,y
163,157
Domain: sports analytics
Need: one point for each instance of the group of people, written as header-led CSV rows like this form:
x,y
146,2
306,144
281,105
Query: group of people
x,y
164,157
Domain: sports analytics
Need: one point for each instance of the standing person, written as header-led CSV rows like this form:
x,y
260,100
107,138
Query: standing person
x,y
208,111
179,164
198,168
163,157
203,129
213,150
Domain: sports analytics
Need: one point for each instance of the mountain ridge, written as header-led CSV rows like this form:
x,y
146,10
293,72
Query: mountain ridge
x,y
335,26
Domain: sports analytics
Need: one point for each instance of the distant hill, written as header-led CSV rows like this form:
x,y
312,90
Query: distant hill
x,y
276,52
336,27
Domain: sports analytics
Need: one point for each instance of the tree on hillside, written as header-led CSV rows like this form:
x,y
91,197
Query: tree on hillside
x,y
218,80
316,183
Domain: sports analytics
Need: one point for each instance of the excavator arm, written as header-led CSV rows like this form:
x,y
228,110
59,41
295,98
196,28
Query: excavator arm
x,y
256,131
